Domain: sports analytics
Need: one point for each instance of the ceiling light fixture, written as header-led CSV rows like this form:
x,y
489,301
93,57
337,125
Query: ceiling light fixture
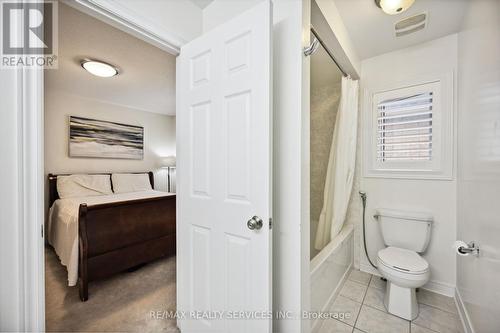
x,y
393,7
99,68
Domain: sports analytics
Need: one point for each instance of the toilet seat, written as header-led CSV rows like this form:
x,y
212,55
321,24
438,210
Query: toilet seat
x,y
403,261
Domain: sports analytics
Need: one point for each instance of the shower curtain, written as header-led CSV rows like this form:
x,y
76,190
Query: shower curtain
x,y
341,163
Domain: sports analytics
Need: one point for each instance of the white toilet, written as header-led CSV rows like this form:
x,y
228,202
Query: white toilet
x,y
405,235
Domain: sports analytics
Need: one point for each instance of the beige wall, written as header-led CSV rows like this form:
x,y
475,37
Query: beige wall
x,y
159,136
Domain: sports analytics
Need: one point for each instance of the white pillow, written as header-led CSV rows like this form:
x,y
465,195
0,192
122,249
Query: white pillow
x,y
130,182
83,185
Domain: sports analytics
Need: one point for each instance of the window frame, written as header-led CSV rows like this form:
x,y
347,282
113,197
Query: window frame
x,y
441,164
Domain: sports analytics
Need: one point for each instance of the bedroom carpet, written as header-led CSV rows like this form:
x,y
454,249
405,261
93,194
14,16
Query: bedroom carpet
x,y
122,303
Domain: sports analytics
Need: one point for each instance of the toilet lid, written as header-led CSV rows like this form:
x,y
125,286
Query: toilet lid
x,y
403,260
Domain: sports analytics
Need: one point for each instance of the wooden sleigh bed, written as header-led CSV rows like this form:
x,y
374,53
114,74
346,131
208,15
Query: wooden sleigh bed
x,y
117,236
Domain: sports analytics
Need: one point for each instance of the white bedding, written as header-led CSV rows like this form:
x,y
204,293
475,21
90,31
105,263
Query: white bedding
x,y
63,225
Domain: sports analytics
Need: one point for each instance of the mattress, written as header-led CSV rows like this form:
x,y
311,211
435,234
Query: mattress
x,y
62,228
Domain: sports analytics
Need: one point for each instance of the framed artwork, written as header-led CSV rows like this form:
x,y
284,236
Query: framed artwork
x,y
105,139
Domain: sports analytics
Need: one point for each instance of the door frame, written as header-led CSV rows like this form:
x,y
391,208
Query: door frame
x,y
323,16
30,106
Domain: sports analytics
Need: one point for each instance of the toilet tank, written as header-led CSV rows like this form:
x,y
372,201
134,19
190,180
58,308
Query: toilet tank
x,y
407,230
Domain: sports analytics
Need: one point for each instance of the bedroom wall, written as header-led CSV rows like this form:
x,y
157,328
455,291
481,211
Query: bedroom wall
x,y
159,136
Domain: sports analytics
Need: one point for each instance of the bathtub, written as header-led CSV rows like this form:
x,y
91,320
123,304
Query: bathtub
x,y
329,269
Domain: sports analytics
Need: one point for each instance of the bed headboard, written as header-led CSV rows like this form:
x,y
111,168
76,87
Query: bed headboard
x,y
53,195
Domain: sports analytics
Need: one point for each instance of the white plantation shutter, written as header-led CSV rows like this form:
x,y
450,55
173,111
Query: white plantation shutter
x,y
409,130
405,128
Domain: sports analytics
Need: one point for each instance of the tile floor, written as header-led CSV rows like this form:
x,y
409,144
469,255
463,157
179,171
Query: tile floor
x,y
361,300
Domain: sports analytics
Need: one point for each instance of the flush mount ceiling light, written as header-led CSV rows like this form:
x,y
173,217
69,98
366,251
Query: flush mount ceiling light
x,y
99,68
393,7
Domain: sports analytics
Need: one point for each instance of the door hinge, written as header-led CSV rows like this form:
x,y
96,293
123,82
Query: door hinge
x,y
270,223
41,229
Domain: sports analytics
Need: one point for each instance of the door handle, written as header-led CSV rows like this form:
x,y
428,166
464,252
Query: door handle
x,y
255,223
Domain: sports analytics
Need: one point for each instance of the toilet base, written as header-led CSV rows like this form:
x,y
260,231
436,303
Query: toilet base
x,y
401,301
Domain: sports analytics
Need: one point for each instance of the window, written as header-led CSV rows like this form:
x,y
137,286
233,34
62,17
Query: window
x,y
410,132
404,128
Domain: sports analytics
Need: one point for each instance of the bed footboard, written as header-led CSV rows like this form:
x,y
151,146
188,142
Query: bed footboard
x,y
114,237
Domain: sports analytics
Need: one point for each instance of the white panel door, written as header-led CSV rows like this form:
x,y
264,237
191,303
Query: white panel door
x,y
224,177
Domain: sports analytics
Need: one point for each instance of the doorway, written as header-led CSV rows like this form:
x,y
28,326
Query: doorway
x,y
98,132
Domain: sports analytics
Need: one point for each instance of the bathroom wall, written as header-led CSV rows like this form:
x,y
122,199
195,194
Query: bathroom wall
x,y
479,163
348,58
435,196
325,97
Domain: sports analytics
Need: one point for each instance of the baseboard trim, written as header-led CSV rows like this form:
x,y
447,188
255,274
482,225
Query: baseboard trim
x,y
462,311
442,288
437,287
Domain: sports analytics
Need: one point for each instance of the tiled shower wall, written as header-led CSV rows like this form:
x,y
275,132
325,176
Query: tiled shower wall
x,y
324,107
